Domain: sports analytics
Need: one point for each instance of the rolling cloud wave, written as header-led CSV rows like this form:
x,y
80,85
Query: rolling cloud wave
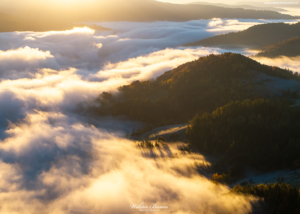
x,y
54,160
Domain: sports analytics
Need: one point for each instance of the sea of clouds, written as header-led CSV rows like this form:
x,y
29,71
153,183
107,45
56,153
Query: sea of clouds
x,y
55,161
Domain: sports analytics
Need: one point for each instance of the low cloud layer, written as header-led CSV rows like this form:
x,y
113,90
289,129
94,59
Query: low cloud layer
x,y
54,163
89,50
54,160
20,62
291,63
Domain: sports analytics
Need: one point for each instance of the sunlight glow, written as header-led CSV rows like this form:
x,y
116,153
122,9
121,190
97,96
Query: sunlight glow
x,y
76,30
26,53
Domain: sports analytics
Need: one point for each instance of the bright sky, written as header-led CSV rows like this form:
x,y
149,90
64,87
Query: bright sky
x,y
12,5
171,1
210,1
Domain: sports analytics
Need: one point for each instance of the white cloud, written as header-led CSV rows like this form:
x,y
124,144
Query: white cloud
x,y
76,30
98,45
24,54
54,160
291,63
90,50
152,65
76,166
23,62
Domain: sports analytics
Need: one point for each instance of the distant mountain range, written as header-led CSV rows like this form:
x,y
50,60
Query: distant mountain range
x,y
244,6
272,3
289,47
254,37
57,15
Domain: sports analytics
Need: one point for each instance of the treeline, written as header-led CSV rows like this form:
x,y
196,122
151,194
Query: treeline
x,y
290,48
256,36
261,133
195,87
279,198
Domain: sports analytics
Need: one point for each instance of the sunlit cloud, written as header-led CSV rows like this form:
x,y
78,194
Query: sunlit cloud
x,y
52,89
29,38
80,47
76,30
122,40
64,89
55,160
152,65
293,11
215,22
98,45
26,53
24,62
89,165
218,25
291,63
105,37
224,26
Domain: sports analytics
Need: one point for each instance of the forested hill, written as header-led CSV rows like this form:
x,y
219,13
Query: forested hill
x,y
10,23
289,47
195,87
263,134
255,36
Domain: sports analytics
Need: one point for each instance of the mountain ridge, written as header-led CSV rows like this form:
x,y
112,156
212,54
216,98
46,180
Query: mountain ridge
x,y
289,48
254,37
143,11
194,87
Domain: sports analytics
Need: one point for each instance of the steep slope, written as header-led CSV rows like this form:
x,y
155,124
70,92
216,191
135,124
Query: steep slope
x,y
289,47
256,36
263,134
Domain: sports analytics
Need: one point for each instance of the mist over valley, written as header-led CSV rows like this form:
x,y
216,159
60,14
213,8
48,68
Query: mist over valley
x,y
110,111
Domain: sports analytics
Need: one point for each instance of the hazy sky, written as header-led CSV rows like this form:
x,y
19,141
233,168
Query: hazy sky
x,y
210,1
11,4
171,1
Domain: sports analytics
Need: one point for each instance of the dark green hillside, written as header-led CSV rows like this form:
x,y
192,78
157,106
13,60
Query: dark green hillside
x,y
195,87
256,36
263,134
279,198
289,47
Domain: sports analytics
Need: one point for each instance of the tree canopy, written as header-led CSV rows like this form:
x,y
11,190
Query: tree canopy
x,y
289,47
195,87
261,133
255,36
279,198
